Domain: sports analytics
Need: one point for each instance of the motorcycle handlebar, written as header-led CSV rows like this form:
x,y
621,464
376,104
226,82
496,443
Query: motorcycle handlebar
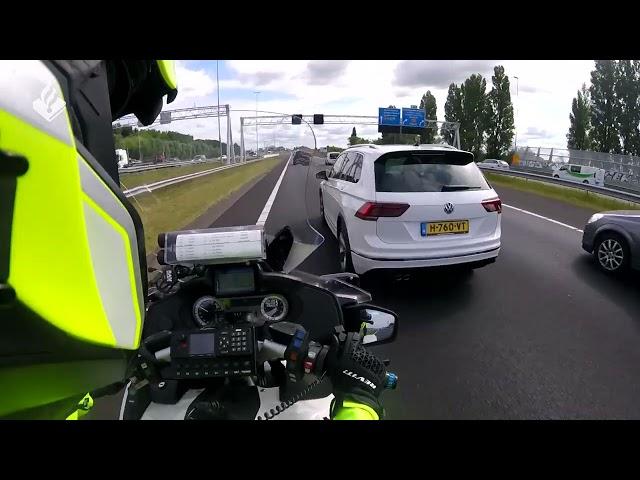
x,y
267,350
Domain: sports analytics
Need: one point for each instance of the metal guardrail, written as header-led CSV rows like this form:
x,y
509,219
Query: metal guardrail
x,y
612,192
621,171
156,166
132,192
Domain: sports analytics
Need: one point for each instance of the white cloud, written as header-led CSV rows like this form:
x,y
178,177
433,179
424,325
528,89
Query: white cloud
x,y
193,83
439,73
359,87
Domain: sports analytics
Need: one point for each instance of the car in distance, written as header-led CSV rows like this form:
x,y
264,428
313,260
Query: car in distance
x,y
199,158
614,239
401,206
301,157
494,164
331,158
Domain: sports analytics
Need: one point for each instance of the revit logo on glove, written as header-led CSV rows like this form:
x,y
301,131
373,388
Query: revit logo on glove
x,y
349,373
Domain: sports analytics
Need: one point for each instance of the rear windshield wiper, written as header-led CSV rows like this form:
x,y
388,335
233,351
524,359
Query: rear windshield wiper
x,y
455,188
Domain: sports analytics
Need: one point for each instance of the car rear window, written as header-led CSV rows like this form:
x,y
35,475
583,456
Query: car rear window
x,y
428,172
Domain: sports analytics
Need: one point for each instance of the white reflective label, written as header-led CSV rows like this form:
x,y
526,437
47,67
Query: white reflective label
x,y
219,245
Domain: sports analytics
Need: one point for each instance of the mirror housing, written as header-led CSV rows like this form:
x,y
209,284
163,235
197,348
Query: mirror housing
x,y
279,248
321,175
381,323
351,278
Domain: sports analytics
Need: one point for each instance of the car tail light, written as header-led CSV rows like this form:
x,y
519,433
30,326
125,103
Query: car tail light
x,y
492,205
372,210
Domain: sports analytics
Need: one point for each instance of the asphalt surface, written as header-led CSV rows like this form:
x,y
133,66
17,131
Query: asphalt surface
x,y
540,334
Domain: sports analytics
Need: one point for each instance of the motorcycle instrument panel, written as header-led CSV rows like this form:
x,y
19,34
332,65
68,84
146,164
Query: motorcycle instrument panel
x,y
208,311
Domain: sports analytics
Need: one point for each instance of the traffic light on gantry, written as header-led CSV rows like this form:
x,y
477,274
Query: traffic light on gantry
x,y
296,119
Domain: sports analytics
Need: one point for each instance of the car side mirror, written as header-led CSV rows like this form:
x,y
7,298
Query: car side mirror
x,y
321,175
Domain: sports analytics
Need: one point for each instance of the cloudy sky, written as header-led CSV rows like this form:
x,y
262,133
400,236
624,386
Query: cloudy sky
x,y
359,87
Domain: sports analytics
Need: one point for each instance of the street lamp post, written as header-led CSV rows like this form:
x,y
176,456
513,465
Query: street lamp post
x,y
517,108
257,93
219,134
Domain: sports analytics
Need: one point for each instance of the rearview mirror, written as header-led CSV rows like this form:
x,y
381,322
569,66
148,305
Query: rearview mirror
x,y
321,175
278,250
381,325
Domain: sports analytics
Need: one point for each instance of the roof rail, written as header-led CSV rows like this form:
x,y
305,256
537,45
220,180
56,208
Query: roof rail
x,y
442,145
370,145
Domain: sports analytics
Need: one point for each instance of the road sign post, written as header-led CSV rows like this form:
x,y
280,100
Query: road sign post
x,y
413,120
389,120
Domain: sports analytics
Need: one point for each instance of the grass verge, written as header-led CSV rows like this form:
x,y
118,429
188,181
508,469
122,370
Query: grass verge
x,y
175,206
573,196
135,179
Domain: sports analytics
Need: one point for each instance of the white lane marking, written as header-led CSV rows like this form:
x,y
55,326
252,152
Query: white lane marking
x,y
543,218
262,219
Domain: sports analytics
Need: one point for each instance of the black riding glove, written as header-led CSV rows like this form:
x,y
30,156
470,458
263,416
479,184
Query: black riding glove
x,y
357,375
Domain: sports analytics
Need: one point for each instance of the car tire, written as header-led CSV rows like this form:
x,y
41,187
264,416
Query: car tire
x,y
344,249
611,253
586,181
556,176
324,220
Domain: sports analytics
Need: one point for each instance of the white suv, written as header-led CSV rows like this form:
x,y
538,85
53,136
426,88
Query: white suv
x,y
401,206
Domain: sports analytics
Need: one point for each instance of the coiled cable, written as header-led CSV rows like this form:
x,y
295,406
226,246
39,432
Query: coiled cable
x,y
282,406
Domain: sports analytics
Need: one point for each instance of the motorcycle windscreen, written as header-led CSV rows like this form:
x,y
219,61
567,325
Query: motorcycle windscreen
x,y
296,203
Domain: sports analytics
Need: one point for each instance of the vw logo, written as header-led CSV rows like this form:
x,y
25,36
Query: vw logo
x,y
448,208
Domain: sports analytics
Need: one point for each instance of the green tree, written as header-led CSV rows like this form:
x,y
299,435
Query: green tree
x,y
452,111
428,103
580,118
627,89
604,107
354,139
499,115
357,140
472,126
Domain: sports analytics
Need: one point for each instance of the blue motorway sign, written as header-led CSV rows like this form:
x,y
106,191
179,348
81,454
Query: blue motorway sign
x,y
413,117
389,116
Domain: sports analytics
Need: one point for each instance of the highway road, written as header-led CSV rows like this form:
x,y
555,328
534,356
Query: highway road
x,y
540,334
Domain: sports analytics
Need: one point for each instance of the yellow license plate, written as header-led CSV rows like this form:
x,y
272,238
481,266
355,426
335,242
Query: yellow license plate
x,y
441,228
